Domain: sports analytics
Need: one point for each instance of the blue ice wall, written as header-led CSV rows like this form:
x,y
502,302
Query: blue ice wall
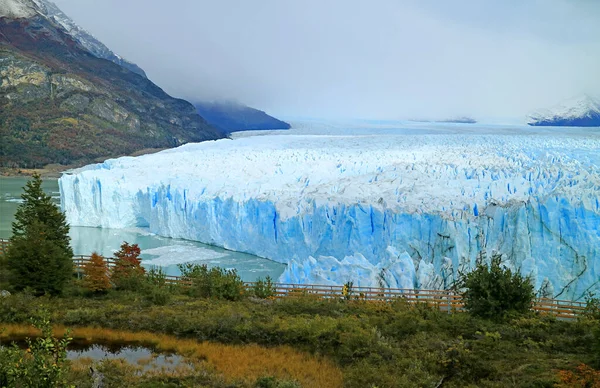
x,y
556,242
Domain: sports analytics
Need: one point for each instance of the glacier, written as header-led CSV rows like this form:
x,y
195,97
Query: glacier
x,y
376,203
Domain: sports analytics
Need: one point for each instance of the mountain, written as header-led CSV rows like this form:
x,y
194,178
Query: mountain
x,y
61,103
93,45
582,111
231,117
459,120
455,120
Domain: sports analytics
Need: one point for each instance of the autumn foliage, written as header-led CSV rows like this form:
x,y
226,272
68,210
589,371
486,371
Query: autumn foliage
x,y
128,272
584,376
96,276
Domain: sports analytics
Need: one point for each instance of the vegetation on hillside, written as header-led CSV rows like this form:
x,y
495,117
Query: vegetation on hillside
x,y
61,104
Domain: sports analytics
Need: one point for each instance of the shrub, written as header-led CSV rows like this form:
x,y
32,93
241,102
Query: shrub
x,y
44,364
215,282
128,273
39,255
273,382
495,292
583,376
156,288
96,274
592,307
264,289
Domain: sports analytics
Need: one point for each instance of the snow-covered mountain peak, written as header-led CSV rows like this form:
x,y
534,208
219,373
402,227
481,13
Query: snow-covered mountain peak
x,y
582,110
49,10
17,8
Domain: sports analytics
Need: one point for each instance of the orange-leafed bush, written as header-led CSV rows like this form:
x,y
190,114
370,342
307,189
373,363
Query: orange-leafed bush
x,y
128,274
584,376
95,274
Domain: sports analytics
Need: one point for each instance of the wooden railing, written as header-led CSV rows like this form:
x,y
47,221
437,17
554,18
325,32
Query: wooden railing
x,y
446,300
3,246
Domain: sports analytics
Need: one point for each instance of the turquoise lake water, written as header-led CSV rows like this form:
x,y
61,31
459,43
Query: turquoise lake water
x,y
156,250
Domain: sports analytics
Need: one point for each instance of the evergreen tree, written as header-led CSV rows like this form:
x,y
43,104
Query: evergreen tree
x,y
39,255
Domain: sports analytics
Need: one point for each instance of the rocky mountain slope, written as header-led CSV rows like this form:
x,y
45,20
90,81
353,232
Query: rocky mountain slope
x,y
231,117
93,45
582,111
60,103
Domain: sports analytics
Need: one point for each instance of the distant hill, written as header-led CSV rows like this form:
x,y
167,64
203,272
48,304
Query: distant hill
x,y
62,103
457,120
231,117
582,111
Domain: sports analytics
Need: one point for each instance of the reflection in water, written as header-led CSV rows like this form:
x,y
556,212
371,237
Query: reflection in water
x,y
140,356
156,251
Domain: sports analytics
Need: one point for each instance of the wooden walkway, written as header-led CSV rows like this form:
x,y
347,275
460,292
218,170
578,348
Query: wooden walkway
x,y
446,300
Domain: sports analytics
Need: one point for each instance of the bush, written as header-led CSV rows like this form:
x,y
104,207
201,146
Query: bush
x,y
213,283
264,289
39,256
44,364
592,307
96,274
128,273
156,289
495,292
273,382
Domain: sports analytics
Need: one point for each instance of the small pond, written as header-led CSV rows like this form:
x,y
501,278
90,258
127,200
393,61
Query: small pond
x,y
135,355
145,358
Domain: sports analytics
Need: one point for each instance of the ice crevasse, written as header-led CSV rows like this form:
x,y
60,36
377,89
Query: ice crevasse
x,y
407,211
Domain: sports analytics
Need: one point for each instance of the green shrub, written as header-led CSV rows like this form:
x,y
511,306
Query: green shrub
x,y
215,282
43,364
495,292
592,307
273,382
156,289
264,289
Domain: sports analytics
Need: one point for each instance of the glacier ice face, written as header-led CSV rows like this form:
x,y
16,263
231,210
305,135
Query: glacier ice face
x,y
384,205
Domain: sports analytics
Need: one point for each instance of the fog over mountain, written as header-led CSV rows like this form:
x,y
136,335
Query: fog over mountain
x,y
350,58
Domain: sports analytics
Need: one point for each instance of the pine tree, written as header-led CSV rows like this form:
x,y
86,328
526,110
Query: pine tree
x,y
39,255
96,276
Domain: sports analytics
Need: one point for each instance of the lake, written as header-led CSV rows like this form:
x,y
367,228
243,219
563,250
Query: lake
x,y
156,251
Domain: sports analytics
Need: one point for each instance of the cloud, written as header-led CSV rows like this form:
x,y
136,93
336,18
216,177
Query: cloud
x,y
353,58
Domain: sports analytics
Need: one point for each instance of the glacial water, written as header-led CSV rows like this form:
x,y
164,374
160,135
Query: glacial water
x,y
156,251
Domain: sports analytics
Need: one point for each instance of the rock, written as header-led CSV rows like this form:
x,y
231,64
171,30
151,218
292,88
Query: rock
x,y
4,294
97,378
76,102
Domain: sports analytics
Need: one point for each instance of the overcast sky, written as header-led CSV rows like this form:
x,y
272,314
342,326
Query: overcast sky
x,y
359,58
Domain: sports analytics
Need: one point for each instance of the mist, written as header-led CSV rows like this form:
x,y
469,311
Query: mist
x,y
419,59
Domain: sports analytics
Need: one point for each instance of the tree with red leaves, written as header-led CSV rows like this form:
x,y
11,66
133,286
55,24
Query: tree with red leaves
x,y
128,272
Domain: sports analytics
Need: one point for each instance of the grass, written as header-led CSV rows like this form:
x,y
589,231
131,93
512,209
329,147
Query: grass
x,y
235,362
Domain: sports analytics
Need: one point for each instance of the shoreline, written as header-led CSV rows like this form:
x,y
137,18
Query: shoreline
x,y
55,170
